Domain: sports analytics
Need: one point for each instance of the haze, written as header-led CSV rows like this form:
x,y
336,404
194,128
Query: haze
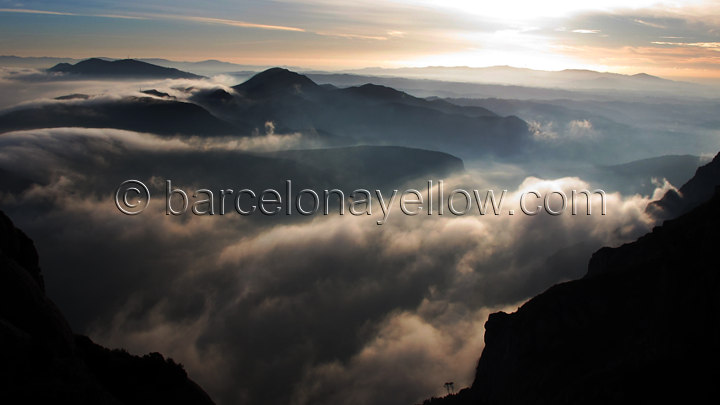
x,y
670,39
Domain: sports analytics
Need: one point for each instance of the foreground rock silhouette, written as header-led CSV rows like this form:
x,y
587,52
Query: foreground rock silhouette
x,y
42,361
642,326
693,193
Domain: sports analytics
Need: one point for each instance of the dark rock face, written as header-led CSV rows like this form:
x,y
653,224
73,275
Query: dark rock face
x,y
642,326
41,361
693,193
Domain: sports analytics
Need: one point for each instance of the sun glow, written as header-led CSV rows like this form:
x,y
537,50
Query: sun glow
x,y
529,9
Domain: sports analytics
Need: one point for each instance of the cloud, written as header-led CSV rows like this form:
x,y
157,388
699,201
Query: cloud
x,y
336,309
331,306
580,128
209,20
408,350
711,45
542,130
548,130
26,86
649,24
27,11
233,23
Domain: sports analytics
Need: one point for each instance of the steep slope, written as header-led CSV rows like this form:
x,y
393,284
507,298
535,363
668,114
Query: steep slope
x,y
691,194
293,103
274,82
145,114
642,326
41,361
677,169
125,68
376,114
374,92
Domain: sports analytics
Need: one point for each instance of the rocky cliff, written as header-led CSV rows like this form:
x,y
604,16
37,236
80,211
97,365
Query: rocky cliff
x,y
42,361
643,325
693,193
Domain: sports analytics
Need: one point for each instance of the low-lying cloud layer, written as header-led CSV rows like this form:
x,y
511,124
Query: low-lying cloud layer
x,y
317,310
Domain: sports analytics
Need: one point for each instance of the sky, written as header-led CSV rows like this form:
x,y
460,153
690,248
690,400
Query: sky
x,y
335,309
668,38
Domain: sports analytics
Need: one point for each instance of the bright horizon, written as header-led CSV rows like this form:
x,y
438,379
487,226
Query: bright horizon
x,y
676,40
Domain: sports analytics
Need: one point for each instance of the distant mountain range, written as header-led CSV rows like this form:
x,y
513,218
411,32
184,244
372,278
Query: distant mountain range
x,y
642,326
372,113
292,102
569,79
573,79
124,68
211,67
37,62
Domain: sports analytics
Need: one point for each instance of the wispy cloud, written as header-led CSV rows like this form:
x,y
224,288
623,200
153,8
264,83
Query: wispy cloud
x,y
26,11
709,45
583,31
234,23
353,36
48,12
209,20
217,21
649,24
121,17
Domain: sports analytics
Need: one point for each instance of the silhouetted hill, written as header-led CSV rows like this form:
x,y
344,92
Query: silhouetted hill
x,y
145,114
388,94
293,103
377,92
74,96
645,76
156,93
375,114
638,175
274,82
642,326
124,68
691,194
571,79
41,361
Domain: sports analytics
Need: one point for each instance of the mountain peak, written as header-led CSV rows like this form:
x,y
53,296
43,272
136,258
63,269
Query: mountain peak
x,y
645,76
377,91
276,80
121,68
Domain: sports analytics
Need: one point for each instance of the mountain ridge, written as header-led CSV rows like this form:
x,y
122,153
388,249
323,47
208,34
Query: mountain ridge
x,y
123,68
691,194
641,326
293,103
